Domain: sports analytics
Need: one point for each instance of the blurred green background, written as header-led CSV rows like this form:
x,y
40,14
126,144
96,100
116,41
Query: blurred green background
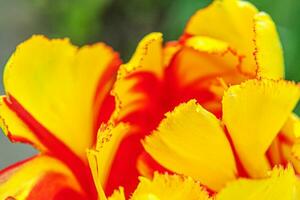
x,y
121,24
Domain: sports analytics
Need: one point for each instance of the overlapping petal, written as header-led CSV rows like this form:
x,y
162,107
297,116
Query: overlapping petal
x,y
252,33
191,141
199,69
261,107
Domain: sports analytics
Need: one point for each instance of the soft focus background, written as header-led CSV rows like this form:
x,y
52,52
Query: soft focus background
x,y
121,24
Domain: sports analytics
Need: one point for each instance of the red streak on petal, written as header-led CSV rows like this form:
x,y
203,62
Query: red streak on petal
x,y
104,105
56,147
184,37
240,168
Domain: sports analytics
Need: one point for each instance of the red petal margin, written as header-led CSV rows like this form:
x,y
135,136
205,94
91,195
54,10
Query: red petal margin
x,y
56,147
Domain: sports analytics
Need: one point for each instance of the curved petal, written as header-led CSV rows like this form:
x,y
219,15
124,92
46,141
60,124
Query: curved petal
x,y
61,87
254,113
112,165
191,141
240,24
164,186
137,92
280,185
138,82
40,177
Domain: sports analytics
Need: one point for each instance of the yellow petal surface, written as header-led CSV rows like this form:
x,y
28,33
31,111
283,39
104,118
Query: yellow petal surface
x,y
146,62
164,187
268,50
191,141
20,181
235,21
254,113
280,185
56,83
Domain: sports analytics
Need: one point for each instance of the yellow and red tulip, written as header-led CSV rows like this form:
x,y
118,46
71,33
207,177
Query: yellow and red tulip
x,y
229,118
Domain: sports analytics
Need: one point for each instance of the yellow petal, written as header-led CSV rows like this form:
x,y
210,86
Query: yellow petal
x,y
206,44
147,62
26,179
268,51
147,57
164,187
191,141
57,84
254,113
280,185
234,22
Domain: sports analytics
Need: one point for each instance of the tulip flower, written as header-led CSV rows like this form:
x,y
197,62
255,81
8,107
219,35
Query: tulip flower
x,y
209,115
224,44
